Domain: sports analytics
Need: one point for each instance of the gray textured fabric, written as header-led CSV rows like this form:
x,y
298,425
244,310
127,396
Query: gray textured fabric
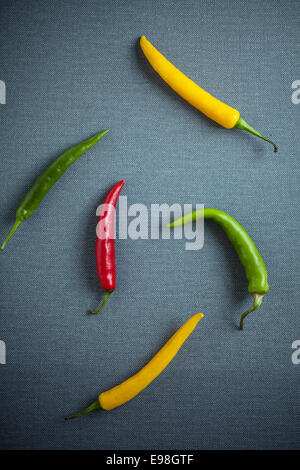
x,y
73,68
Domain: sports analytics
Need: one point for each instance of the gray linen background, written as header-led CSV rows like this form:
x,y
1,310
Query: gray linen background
x,y
73,68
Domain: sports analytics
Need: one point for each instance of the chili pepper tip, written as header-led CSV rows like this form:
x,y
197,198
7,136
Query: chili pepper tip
x,y
244,126
95,312
11,232
94,406
258,298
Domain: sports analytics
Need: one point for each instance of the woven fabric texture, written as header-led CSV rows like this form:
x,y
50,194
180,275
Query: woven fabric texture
x,y
72,69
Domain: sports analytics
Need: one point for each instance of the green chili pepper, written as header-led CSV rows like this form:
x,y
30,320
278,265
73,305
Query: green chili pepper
x,y
247,252
47,179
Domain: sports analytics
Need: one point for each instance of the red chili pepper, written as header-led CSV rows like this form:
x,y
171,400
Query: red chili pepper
x,y
105,243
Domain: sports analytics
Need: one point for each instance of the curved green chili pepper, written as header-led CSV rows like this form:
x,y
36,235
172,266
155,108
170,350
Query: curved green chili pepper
x,y
47,179
247,252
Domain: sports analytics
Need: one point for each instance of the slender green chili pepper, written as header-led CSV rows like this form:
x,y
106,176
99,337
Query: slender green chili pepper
x,y
47,179
247,252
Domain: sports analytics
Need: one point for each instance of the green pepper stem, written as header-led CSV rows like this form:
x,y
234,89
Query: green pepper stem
x,y
256,304
95,312
94,406
241,124
12,231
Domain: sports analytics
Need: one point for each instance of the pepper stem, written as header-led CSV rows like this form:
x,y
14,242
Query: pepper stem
x,y
94,406
241,124
256,304
12,231
95,312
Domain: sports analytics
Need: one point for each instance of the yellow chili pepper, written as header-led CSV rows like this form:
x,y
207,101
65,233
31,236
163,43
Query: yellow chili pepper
x,y
127,390
213,108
